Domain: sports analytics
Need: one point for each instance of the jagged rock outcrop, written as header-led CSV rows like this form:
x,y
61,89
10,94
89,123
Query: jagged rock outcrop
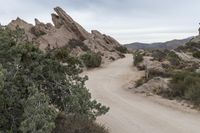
x,y
152,65
64,30
62,19
19,23
23,25
196,39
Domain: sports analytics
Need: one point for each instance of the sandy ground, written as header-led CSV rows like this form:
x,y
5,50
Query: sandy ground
x,y
132,113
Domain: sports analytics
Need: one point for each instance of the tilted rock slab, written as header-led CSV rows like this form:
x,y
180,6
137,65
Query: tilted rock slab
x,y
64,30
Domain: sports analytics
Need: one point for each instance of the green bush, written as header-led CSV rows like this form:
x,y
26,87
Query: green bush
x,y
36,86
173,58
193,44
186,85
138,58
196,54
73,43
156,73
122,49
159,55
140,82
91,60
78,124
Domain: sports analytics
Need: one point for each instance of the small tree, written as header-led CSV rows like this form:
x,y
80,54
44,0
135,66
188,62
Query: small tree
x,y
196,54
138,58
122,49
34,84
186,86
91,59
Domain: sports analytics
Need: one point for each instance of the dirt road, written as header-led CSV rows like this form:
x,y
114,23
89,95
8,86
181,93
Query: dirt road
x,y
130,113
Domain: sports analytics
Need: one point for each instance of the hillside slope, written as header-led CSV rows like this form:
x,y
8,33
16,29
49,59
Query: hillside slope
x,y
165,45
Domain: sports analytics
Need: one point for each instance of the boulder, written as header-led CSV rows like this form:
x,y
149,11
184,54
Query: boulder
x,y
153,68
153,86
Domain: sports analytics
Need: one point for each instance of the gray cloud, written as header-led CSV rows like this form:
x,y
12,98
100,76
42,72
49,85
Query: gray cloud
x,y
127,20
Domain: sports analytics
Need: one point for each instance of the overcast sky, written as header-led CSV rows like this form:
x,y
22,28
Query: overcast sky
x,y
126,20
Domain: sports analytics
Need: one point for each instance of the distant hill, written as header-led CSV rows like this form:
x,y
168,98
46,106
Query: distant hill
x,y
161,45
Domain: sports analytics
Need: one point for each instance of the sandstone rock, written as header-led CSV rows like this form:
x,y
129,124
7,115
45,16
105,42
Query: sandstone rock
x,y
153,86
39,29
69,23
64,30
153,66
19,23
23,25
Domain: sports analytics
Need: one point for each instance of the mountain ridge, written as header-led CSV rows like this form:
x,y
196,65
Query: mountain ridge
x,y
172,44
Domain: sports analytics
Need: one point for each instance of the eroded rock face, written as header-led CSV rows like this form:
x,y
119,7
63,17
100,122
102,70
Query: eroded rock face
x,y
40,28
154,86
23,25
62,18
20,23
64,30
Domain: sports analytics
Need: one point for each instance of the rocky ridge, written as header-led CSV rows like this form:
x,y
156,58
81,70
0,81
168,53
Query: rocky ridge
x,y
65,29
196,39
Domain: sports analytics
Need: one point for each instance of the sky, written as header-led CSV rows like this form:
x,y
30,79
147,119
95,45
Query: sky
x,y
126,20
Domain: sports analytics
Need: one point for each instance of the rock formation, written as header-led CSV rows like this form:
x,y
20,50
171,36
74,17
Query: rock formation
x,y
64,30
196,39
153,86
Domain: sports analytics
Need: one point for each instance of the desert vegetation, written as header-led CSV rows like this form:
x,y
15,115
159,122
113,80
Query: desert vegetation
x,y
137,57
167,55
185,85
42,92
141,81
196,54
122,49
73,43
91,59
183,75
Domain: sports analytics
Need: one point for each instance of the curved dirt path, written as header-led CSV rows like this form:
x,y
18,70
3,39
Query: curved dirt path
x,y
130,113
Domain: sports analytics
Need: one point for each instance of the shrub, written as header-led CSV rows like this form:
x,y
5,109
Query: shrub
x,y
140,82
186,85
173,58
35,86
157,73
78,124
138,58
193,44
196,54
73,43
159,55
122,49
91,59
